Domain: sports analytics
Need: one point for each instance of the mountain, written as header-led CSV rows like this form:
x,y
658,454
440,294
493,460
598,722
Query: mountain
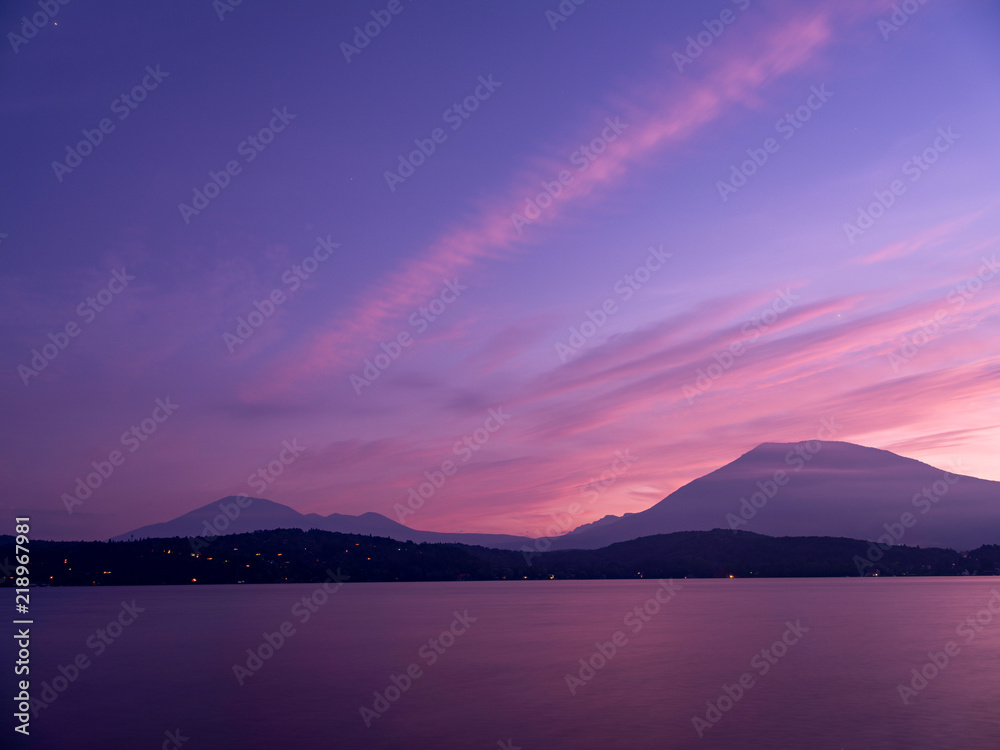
x,y
816,488
606,520
259,514
822,488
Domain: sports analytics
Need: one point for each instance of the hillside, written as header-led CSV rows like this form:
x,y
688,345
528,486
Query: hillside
x,y
296,556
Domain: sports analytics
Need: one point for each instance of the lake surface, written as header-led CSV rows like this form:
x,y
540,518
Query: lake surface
x,y
502,677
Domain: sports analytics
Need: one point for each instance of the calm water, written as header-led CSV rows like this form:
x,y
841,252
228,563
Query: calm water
x,y
503,677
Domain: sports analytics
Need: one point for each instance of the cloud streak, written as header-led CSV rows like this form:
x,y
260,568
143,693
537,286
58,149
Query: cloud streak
x,y
735,79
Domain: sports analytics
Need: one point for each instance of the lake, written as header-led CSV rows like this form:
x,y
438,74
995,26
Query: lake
x,y
768,663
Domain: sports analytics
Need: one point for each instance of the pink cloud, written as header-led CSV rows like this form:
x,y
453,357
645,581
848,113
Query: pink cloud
x,y
929,237
735,78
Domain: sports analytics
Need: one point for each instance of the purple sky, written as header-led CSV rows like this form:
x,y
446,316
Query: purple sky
x,y
759,314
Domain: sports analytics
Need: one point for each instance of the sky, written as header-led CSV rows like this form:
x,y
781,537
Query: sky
x,y
326,253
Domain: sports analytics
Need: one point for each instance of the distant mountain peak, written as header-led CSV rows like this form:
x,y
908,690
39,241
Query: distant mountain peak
x,y
808,488
817,487
237,514
828,452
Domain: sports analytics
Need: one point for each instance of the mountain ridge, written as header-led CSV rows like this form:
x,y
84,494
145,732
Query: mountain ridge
x,y
833,488
238,514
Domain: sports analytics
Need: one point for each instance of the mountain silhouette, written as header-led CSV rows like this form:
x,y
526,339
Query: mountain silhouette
x,y
813,488
827,488
221,517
